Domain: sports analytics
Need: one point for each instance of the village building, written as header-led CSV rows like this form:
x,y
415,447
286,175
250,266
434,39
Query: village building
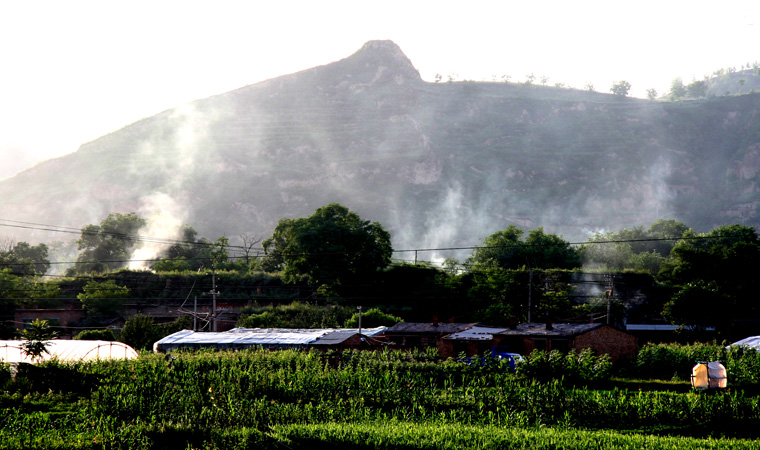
x,y
476,340
601,338
407,335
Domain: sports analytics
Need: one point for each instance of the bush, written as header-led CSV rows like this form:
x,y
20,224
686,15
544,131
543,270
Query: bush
x,y
373,318
102,334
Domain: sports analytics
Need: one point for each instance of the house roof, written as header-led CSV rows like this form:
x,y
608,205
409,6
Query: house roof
x,y
476,333
558,329
334,338
427,327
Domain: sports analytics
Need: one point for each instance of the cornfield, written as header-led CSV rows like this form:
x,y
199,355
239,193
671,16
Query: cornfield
x,y
386,399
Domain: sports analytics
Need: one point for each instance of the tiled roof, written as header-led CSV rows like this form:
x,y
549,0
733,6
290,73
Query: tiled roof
x,y
558,329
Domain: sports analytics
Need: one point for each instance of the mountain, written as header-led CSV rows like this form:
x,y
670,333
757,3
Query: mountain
x,y
438,164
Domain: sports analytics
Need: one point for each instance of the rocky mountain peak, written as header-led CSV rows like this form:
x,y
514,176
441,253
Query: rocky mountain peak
x,y
384,57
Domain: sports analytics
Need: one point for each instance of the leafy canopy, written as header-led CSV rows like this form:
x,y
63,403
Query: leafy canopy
x,y
330,248
107,246
505,249
102,300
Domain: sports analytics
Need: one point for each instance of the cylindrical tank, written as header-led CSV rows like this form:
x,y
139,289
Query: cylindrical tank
x,y
699,378
709,375
717,375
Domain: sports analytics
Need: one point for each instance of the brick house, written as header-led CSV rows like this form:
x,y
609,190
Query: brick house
x,y
601,338
476,340
421,335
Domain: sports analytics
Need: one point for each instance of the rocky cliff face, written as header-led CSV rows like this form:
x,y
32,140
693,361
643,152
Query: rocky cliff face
x,y
439,165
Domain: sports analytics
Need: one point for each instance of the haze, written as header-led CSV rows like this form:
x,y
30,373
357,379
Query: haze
x,y
74,71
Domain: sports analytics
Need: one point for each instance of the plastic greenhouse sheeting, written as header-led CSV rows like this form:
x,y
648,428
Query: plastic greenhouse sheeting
x,y
752,341
68,350
241,338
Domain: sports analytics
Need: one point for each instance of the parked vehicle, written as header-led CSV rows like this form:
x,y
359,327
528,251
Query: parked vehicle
x,y
499,355
508,358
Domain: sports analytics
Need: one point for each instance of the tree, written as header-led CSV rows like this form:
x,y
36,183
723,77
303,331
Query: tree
x,y
677,89
372,318
697,89
24,259
651,93
634,248
102,300
331,247
698,304
505,249
248,243
36,337
621,88
139,332
107,246
723,262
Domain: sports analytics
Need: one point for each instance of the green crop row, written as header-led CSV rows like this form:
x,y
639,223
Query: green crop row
x,y
249,395
675,361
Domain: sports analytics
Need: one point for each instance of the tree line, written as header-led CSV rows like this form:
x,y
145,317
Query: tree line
x,y
335,261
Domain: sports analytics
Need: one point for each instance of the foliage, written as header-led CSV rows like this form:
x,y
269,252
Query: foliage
x,y
620,88
102,299
634,248
698,304
334,246
677,89
140,332
293,315
675,361
572,367
372,318
506,249
24,259
107,246
35,338
716,266
103,334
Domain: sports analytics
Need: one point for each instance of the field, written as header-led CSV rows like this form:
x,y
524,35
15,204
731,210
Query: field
x,y
373,400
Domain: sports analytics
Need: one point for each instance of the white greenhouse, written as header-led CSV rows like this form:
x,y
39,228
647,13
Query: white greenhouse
x,y
68,350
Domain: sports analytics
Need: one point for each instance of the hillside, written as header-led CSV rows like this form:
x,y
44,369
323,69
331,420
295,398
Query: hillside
x,y
438,164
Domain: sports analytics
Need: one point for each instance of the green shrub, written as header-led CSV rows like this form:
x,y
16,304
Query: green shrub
x,y
102,334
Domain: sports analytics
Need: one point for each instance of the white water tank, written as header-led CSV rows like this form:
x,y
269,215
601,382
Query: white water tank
x,y
709,375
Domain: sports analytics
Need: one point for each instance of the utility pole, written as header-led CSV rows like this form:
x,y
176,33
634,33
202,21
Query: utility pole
x,y
195,313
530,291
213,299
608,293
360,319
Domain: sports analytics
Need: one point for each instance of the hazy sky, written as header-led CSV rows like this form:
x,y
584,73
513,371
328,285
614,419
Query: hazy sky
x,y
73,71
